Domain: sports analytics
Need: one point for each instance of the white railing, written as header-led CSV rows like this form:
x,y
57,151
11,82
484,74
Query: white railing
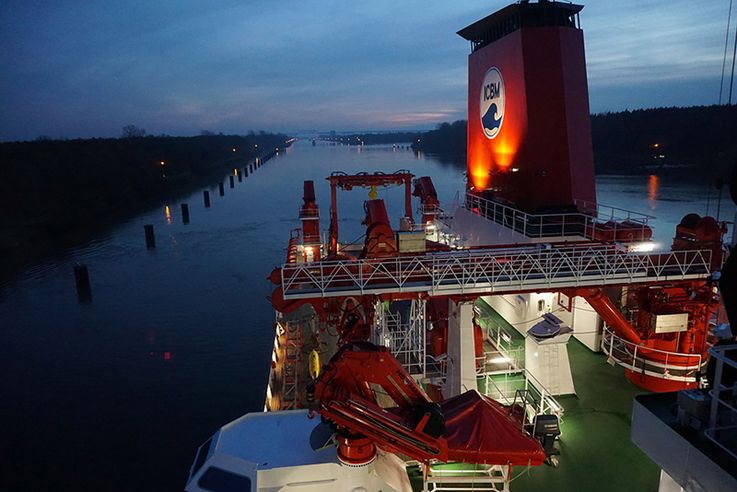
x,y
500,362
423,209
673,366
405,338
474,478
541,401
722,430
497,270
606,221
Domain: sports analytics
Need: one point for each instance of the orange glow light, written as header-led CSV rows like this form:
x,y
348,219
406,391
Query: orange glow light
x,y
652,191
162,163
167,212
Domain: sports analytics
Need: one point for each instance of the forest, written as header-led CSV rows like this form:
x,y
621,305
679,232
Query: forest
x,y
51,191
697,142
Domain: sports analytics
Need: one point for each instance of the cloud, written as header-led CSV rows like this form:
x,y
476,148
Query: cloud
x,y
87,68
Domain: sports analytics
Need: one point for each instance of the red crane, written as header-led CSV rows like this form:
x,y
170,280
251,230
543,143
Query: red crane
x,y
374,402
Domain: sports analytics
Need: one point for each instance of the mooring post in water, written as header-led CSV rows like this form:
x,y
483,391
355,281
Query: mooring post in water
x,y
240,177
250,167
185,213
82,280
245,171
206,196
222,189
232,184
148,229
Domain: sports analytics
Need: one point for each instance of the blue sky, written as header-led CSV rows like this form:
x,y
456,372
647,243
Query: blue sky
x,y
87,68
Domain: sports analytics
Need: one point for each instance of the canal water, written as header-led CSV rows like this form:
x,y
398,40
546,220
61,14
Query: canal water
x,y
117,393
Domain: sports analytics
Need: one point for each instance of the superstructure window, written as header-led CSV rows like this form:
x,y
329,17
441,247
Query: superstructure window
x,y
218,480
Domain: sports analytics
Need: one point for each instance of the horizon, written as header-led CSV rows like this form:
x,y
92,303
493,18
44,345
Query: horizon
x,y
85,71
309,133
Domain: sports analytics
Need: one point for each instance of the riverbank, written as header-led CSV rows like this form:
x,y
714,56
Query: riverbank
x,y
690,143
57,194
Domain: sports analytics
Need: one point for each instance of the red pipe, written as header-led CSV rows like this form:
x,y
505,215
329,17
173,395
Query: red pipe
x,y
609,313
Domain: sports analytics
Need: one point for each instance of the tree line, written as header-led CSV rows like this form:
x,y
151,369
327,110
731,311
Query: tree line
x,y
698,142
52,189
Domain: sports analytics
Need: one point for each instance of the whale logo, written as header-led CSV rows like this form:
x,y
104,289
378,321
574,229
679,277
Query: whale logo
x,y
491,104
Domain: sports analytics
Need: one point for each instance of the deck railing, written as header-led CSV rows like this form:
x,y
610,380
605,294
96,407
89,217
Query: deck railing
x,y
722,430
497,270
673,366
604,221
535,397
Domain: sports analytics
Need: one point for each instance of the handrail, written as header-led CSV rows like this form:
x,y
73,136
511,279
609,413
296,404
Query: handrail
x,y
634,357
544,402
491,270
577,224
717,430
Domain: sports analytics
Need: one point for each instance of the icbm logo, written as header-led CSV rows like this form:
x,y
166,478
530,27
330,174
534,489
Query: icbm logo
x,y
492,102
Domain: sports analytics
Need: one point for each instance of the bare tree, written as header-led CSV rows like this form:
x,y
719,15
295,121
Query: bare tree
x,y
132,131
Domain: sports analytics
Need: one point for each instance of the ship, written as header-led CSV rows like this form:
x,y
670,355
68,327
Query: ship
x,y
386,373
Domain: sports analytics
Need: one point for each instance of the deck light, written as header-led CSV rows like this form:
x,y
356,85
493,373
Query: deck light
x,y
643,247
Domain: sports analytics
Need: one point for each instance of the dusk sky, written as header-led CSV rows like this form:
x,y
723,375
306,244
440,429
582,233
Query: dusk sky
x,y
87,68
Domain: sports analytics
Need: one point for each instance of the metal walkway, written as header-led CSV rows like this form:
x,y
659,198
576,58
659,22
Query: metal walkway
x,y
493,270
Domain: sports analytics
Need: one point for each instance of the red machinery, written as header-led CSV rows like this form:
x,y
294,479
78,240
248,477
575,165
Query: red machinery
x,y
309,214
379,233
680,348
668,328
374,402
349,181
429,204
696,232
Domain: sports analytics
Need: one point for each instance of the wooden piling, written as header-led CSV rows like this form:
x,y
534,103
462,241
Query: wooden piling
x,y
148,229
82,281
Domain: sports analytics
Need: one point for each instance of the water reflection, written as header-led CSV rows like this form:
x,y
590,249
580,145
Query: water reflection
x,y
652,191
167,212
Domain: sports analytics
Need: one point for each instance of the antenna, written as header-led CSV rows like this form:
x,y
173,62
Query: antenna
x,y
734,52
726,44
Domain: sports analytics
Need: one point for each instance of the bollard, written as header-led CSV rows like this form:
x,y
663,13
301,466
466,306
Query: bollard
x,y
240,177
82,280
148,229
185,213
231,181
222,189
206,196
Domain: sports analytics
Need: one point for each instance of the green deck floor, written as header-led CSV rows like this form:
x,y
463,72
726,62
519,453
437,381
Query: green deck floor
x,y
597,453
596,450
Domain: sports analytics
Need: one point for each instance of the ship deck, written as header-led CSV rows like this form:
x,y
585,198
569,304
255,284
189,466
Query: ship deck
x,y
596,450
